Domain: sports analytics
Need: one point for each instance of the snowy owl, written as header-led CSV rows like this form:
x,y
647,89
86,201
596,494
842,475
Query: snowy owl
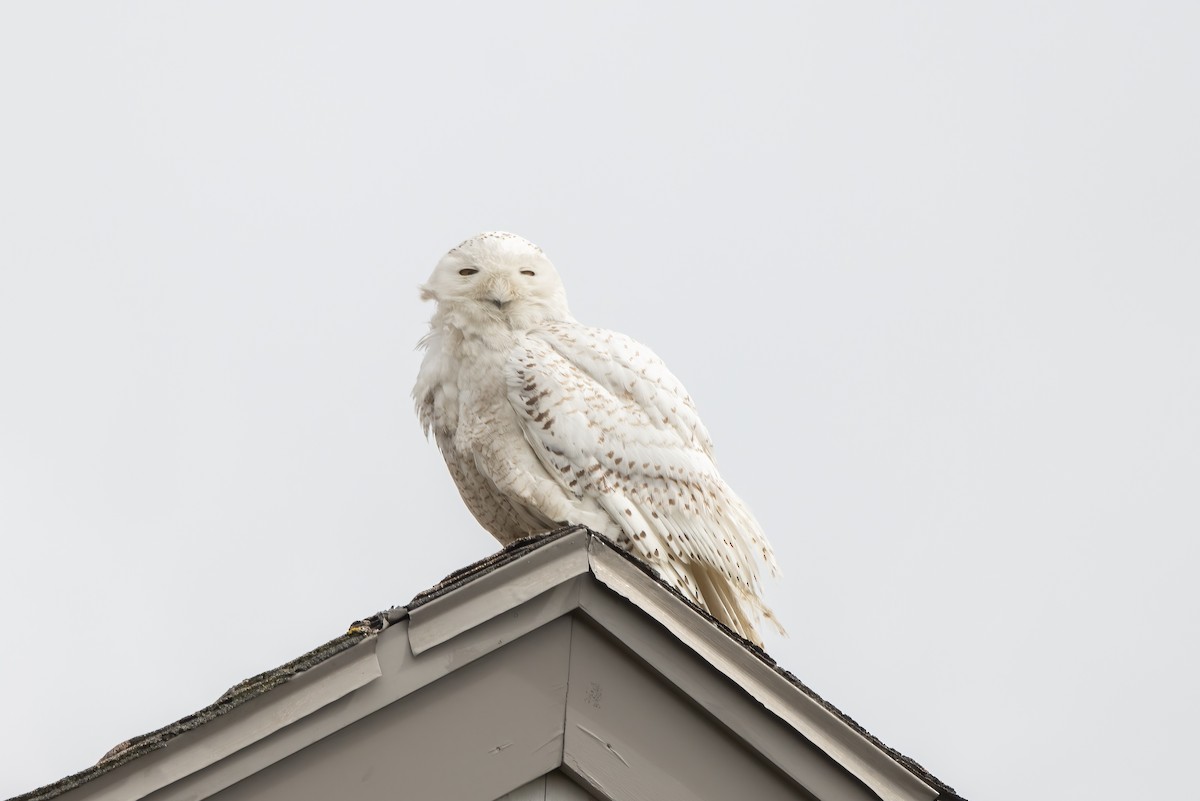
x,y
543,422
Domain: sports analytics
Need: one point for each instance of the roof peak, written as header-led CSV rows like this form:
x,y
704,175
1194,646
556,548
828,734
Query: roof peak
x,y
480,609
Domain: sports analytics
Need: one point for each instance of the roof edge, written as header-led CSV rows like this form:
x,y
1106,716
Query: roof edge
x,y
304,686
470,601
822,727
520,588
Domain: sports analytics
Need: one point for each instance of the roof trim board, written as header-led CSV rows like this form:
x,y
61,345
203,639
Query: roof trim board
x,y
484,729
737,710
231,733
403,673
816,723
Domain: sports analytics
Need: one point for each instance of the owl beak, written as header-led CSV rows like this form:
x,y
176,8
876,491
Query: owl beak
x,y
499,294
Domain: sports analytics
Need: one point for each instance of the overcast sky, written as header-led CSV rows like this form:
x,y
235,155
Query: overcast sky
x,y
929,271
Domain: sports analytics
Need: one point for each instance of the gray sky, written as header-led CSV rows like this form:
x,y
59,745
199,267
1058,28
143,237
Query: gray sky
x,y
929,271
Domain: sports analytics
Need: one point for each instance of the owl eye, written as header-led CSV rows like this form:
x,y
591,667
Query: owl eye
x,y
528,272
467,271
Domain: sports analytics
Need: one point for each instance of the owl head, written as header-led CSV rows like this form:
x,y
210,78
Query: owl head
x,y
496,279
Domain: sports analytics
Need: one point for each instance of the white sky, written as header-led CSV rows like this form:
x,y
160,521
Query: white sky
x,y
929,270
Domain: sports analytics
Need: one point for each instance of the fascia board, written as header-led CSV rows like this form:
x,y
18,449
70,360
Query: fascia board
x,y
482,730
858,755
775,740
216,740
495,593
403,673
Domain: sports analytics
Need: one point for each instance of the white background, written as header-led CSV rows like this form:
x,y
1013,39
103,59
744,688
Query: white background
x,y
929,270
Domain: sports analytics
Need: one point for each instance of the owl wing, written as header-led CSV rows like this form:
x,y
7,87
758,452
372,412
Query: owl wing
x,y
611,423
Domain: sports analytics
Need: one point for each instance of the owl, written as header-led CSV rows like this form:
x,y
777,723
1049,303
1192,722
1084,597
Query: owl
x,y
544,422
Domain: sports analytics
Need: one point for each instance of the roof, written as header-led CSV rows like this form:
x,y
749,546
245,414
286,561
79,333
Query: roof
x,y
481,608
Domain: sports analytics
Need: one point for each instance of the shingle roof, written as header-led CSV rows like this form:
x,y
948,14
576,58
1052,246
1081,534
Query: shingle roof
x,y
360,630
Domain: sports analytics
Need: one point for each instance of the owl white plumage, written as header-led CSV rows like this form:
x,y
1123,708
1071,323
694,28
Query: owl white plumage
x,y
543,422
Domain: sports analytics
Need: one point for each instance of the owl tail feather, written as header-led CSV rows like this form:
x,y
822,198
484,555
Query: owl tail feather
x,y
741,612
